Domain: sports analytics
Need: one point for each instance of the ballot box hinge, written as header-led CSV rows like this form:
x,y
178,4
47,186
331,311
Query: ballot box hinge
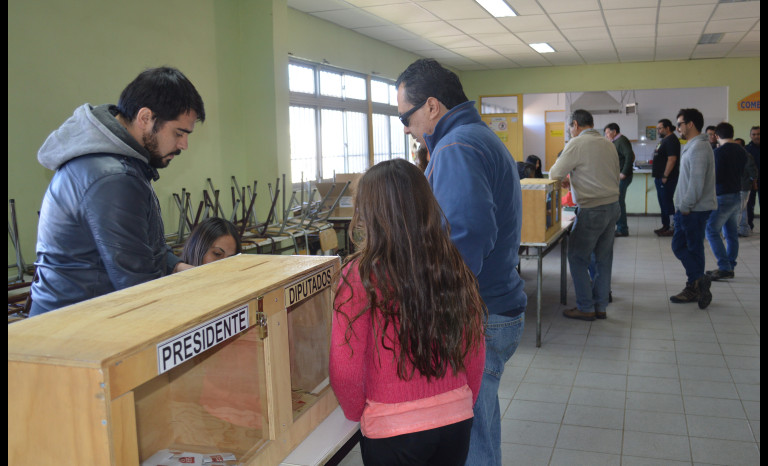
x,y
261,318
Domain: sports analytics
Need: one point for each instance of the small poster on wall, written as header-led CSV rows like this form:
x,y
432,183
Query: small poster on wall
x,y
650,133
498,124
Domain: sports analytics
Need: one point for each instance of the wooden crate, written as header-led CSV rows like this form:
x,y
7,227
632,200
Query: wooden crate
x,y
542,209
117,378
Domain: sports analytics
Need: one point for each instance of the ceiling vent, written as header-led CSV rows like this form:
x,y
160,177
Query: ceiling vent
x,y
711,38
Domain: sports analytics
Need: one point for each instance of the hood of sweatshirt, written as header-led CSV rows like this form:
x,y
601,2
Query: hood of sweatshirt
x,y
90,130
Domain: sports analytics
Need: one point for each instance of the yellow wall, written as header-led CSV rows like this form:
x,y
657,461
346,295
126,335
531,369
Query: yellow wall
x,y
63,54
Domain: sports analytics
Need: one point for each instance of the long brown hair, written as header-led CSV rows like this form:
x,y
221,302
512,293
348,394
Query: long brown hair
x,y
414,277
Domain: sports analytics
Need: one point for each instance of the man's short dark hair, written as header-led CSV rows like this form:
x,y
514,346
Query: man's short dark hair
x,y
713,128
165,91
740,141
724,130
582,117
426,78
612,127
754,128
691,115
667,124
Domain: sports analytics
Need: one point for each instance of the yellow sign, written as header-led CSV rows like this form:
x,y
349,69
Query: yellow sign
x,y
557,133
750,103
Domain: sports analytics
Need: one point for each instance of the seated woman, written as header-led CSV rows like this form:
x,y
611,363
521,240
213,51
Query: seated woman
x,y
407,344
213,239
536,162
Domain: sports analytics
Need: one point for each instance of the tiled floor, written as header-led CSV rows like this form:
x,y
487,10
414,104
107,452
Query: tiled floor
x,y
655,384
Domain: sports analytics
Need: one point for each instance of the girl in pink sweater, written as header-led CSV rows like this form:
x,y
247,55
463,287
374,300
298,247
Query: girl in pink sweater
x,y
407,344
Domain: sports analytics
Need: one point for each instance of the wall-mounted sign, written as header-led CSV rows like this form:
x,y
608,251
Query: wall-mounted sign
x,y
750,103
498,124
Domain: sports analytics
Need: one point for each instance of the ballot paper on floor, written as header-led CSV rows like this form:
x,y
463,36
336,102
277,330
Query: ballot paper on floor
x,y
169,457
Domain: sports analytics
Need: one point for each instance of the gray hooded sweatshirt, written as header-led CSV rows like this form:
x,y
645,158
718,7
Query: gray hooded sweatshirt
x,y
695,190
100,228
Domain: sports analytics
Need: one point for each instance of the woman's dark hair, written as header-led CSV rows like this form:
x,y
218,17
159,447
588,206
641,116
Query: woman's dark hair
x,y
426,78
165,91
422,158
536,161
414,277
203,236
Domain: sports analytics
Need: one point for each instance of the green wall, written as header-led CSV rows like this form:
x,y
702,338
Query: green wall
x,y
63,54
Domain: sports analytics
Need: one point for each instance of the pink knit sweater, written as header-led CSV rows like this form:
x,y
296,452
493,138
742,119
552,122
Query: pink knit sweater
x,y
358,372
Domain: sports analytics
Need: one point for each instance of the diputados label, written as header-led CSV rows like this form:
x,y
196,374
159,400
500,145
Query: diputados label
x,y
307,286
185,346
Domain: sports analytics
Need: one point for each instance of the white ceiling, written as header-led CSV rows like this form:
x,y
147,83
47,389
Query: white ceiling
x,y
461,34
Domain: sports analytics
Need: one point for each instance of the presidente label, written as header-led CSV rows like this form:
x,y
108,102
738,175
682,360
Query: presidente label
x,y
185,346
307,286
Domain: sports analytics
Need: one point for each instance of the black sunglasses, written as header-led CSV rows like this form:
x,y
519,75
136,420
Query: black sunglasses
x,y
405,117
681,123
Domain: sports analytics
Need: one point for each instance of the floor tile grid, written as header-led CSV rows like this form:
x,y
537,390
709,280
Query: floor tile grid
x,y
655,383
656,323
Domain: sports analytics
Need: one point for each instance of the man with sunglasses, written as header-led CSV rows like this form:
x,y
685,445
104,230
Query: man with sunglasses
x,y
476,182
694,201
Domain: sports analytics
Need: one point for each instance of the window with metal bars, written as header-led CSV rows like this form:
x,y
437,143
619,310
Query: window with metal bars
x,y
329,113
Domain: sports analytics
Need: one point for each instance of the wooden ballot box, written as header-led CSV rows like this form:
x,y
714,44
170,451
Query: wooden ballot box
x,y
542,209
228,357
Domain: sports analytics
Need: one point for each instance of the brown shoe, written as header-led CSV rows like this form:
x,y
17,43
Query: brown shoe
x,y
600,315
661,230
669,232
688,295
575,313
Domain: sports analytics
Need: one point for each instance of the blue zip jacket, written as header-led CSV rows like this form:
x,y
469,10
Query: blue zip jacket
x,y
100,228
475,180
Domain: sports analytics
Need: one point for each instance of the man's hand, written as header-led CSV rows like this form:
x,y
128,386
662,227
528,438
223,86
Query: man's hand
x,y
182,266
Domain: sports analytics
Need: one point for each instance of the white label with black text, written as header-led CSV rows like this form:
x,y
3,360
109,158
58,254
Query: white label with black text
x,y
187,345
307,286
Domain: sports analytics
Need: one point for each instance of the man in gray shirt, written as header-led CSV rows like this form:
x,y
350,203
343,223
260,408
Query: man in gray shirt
x,y
694,201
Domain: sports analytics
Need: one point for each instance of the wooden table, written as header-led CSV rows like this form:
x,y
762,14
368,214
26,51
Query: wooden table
x,y
541,250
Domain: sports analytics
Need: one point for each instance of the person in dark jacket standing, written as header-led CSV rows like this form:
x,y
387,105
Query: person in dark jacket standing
x,y
100,228
754,148
626,164
476,183
730,164
665,171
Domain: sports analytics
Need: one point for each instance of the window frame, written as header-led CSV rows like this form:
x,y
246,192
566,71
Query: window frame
x,y
368,107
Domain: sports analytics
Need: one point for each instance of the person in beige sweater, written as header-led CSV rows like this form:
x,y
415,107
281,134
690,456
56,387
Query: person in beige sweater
x,y
593,165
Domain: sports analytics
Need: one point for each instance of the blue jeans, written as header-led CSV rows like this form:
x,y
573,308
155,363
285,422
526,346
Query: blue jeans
x,y
502,335
688,242
665,192
744,229
621,224
592,233
725,219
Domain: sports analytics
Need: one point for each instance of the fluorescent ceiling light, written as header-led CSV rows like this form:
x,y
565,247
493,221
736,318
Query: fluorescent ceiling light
x,y
542,47
497,8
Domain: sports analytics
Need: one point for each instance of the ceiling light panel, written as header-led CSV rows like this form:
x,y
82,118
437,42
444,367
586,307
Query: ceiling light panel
x,y
542,47
497,8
